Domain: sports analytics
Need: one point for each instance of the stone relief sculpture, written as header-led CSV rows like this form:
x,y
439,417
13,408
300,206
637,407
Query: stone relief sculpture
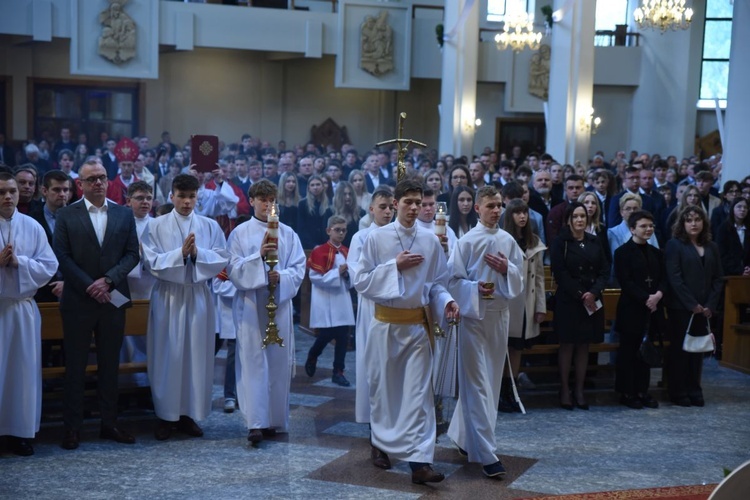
x,y
118,39
539,73
376,45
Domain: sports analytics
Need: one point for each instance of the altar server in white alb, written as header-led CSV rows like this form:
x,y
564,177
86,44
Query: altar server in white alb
x,y
184,251
403,270
264,375
381,213
140,199
426,219
27,263
486,272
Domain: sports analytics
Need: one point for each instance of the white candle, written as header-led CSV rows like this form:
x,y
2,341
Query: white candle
x,y
273,229
440,219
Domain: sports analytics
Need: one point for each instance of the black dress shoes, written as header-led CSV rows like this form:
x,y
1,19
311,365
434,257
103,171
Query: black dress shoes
x,y
697,401
681,401
310,365
426,475
163,430
187,425
255,436
115,434
630,401
20,446
648,401
70,441
268,432
379,458
580,404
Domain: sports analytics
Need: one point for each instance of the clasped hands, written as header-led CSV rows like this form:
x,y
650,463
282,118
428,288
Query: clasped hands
x,y
189,248
99,291
8,258
705,311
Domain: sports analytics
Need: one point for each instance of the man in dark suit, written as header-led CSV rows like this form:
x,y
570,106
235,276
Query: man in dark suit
x,y
97,246
109,159
630,184
373,176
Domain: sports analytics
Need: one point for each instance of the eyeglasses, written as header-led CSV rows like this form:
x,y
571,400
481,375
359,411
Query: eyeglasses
x,y
93,179
340,230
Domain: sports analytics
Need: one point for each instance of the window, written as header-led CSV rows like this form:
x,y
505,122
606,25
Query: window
x,y
496,9
717,39
611,13
88,108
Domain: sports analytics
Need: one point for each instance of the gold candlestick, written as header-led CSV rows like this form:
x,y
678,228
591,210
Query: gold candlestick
x,y
272,259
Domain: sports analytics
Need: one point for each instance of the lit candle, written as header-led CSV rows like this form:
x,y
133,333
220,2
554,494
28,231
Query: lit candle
x,y
440,218
273,230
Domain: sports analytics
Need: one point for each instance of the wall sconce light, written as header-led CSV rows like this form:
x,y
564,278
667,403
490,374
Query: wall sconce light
x,y
471,124
589,123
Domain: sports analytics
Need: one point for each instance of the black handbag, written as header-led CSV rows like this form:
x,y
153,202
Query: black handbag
x,y
649,352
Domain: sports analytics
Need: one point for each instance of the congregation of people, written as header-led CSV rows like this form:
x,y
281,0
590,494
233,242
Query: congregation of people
x,y
460,243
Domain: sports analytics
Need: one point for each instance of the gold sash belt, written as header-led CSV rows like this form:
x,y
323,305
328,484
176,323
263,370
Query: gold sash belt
x,y
417,316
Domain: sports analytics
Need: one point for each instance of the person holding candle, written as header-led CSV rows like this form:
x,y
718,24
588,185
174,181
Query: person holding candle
x,y
433,217
184,251
27,263
264,375
331,311
485,255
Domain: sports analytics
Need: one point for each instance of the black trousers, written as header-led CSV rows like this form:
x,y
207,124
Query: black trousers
x,y
107,325
632,375
685,368
325,335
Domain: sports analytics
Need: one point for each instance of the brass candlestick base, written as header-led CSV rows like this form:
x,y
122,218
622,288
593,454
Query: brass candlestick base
x,y
272,331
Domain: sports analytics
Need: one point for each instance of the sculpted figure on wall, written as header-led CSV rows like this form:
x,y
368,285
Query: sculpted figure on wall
x,y
376,55
539,73
118,38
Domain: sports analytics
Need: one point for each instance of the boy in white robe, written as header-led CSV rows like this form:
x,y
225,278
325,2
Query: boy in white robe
x,y
27,263
140,199
486,272
426,219
331,311
264,376
403,270
381,213
184,251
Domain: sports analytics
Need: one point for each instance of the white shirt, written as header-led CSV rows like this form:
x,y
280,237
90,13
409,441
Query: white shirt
x,y
98,218
375,180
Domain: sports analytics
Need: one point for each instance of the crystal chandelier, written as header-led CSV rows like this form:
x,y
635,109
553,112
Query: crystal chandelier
x,y
663,15
518,32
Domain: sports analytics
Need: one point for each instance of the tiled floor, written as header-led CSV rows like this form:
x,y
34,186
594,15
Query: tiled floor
x,y
325,455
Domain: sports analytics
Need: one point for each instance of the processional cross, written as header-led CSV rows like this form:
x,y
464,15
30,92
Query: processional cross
x,y
403,146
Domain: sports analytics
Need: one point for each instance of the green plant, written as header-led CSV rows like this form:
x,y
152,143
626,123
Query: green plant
x,y
439,33
547,11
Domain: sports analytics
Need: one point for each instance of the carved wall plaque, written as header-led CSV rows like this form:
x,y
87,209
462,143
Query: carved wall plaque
x,y
376,45
539,73
118,38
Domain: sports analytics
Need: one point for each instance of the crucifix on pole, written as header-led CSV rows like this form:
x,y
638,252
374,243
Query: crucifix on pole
x,y
403,145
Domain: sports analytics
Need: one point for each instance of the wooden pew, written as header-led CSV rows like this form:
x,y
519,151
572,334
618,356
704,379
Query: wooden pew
x,y
136,322
736,345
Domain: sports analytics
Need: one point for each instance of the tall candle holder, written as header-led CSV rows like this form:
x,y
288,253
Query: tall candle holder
x,y
272,259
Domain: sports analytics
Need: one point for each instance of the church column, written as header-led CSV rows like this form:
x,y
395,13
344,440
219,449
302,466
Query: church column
x,y
458,93
738,99
571,86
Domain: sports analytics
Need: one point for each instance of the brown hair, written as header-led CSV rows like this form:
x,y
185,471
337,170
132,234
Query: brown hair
x,y
678,229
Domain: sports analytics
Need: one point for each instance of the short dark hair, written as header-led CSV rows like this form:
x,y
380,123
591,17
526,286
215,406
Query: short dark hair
x,y
384,192
632,170
705,176
574,178
486,191
6,176
427,192
185,182
54,175
638,215
512,190
27,167
139,186
263,189
64,152
241,158
408,186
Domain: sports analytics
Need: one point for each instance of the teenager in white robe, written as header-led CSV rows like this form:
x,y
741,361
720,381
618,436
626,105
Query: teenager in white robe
x,y
381,212
27,263
403,267
224,292
426,219
264,375
486,254
184,251
141,282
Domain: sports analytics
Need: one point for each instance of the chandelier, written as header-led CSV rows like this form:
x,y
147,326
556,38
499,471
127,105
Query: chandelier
x,y
518,32
663,15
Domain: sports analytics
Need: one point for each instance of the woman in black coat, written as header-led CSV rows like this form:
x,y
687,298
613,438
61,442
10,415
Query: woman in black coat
x,y
695,284
639,268
733,239
581,270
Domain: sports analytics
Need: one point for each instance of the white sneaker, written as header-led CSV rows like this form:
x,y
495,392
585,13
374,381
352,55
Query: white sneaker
x,y
524,382
230,405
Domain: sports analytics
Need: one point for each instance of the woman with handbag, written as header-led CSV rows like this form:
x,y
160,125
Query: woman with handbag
x,y
581,270
639,268
694,273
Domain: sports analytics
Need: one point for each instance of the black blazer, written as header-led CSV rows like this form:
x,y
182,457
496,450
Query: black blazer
x,y
639,274
734,255
368,182
44,294
83,261
692,282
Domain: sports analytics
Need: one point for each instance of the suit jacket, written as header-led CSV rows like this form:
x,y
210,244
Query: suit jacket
x,y
734,255
640,274
9,156
554,221
370,185
83,260
44,294
110,165
691,280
